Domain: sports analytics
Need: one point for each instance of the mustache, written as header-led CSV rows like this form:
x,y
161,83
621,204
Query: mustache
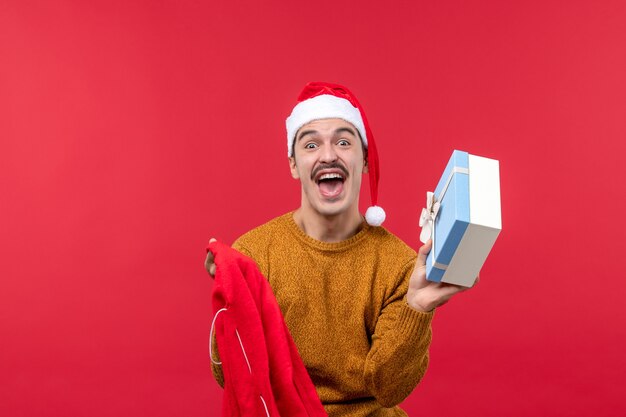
x,y
332,165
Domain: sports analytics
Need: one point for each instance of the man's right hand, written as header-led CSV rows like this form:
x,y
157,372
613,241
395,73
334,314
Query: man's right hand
x,y
209,262
424,295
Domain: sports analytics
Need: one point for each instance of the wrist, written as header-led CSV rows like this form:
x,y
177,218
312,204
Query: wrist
x,y
411,302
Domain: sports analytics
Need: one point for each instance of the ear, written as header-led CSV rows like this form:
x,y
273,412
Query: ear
x,y
366,168
293,168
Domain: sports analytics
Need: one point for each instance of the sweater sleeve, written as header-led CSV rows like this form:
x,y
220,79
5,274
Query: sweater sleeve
x,y
398,356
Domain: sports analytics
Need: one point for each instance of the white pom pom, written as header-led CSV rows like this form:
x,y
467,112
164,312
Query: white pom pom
x,y
375,216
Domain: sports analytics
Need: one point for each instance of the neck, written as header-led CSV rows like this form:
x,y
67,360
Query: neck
x,y
328,229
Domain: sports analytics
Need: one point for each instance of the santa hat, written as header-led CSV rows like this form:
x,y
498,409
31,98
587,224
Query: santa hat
x,y
319,100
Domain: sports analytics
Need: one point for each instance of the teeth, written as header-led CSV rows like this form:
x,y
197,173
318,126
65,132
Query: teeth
x,y
330,177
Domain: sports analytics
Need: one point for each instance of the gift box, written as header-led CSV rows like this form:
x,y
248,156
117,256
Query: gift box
x,y
463,219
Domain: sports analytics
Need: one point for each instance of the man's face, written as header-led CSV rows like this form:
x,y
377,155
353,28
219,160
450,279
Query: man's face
x,y
328,160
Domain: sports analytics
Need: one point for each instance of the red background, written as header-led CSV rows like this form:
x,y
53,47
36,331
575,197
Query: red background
x,y
132,132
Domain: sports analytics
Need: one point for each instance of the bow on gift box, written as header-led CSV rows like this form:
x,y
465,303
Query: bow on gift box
x,y
427,218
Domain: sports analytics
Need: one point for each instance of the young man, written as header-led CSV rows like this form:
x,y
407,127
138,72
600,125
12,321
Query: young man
x,y
354,297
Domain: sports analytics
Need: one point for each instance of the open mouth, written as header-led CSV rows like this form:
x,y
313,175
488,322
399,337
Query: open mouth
x,y
330,183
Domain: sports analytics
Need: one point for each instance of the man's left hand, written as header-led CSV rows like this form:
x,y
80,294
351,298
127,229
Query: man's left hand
x,y
424,295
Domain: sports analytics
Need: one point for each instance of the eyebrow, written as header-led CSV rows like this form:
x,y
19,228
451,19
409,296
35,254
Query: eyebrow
x,y
306,132
345,129
335,133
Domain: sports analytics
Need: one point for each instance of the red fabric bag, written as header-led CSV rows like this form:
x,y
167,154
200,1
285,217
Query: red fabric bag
x,y
263,372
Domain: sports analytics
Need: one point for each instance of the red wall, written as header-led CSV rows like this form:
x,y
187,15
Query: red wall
x,y
131,132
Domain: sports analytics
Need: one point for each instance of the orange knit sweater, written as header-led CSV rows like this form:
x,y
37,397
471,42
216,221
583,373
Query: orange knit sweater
x,y
363,346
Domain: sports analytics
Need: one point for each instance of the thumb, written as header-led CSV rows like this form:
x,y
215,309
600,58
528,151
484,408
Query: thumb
x,y
422,254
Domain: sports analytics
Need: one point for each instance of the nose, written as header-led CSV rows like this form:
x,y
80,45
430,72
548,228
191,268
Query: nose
x,y
328,154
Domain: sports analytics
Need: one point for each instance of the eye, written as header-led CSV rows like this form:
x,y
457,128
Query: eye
x,y
310,145
343,142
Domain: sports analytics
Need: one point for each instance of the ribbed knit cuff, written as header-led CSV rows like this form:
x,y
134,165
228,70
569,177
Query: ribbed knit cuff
x,y
414,322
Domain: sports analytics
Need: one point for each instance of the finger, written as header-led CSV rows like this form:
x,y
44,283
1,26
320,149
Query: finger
x,y
449,290
209,257
210,260
422,254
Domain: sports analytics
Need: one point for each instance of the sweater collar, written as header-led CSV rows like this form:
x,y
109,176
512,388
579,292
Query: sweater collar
x,y
364,229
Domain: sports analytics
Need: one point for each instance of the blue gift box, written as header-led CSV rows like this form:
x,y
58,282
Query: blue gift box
x,y
463,219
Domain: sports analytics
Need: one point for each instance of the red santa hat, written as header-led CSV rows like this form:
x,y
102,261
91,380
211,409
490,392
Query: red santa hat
x,y
320,100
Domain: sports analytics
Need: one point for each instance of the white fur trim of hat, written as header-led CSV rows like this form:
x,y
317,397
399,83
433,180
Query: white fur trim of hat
x,y
324,106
